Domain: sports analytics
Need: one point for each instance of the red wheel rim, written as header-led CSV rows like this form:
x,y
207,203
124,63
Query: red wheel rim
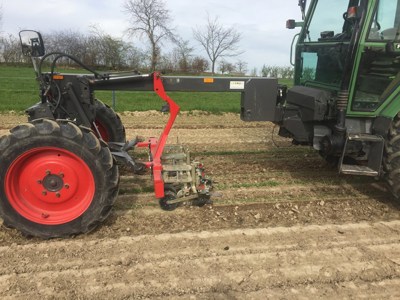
x,y
102,130
49,185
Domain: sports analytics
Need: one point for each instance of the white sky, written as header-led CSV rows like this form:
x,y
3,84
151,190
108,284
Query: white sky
x,y
265,39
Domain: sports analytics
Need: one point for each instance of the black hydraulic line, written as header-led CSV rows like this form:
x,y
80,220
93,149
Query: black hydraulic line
x,y
75,59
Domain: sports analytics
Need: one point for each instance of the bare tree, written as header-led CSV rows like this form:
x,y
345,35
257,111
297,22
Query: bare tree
x,y
184,53
10,50
199,64
254,72
149,19
281,72
110,49
136,58
226,67
241,67
217,41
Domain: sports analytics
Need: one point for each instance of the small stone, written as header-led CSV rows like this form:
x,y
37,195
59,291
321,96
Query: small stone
x,y
226,248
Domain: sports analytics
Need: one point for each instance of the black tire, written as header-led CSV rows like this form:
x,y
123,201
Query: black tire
x,y
202,200
169,194
73,195
391,160
108,123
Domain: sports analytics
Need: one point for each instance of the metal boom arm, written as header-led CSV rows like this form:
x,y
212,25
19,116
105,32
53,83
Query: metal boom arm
x,y
259,95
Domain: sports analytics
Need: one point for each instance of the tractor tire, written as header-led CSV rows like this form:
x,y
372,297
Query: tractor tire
x,y
391,160
108,123
58,179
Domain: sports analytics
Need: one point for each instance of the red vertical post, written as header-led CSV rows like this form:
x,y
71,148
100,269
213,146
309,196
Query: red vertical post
x,y
159,146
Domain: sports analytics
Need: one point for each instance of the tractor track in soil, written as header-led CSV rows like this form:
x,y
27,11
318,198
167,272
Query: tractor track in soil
x,y
284,225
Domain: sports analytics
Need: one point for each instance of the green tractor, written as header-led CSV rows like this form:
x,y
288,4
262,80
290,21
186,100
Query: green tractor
x,y
346,96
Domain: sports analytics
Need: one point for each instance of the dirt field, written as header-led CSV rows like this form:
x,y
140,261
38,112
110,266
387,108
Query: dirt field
x,y
285,225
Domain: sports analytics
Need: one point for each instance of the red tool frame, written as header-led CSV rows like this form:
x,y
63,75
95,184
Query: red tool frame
x,y
156,146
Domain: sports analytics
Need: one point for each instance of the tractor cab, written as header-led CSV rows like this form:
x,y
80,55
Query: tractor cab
x,y
351,45
347,81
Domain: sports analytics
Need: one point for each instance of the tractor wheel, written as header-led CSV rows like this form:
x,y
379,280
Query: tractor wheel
x,y
58,179
391,161
108,123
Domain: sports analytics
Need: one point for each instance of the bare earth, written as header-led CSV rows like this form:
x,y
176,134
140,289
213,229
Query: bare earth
x,y
285,225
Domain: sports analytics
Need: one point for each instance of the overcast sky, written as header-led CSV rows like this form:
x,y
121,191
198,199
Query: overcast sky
x,y
265,40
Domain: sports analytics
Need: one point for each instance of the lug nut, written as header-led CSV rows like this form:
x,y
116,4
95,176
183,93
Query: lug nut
x,y
44,193
61,174
48,172
66,186
58,195
39,181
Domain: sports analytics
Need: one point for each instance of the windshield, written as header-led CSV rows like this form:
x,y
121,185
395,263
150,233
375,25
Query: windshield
x,y
328,20
324,45
386,22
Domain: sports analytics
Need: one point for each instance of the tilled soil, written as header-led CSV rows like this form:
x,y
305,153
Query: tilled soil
x,y
283,225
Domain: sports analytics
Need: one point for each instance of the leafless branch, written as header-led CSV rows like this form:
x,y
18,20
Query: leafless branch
x,y
150,19
218,41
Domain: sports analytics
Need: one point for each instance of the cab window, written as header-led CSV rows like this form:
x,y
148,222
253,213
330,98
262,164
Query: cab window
x,y
379,71
385,25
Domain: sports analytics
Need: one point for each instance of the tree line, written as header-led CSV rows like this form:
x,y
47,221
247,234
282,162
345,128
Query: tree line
x,y
151,22
101,50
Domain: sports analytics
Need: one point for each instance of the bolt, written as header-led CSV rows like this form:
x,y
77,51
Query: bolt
x,y
48,172
66,186
58,195
45,216
39,181
44,193
61,174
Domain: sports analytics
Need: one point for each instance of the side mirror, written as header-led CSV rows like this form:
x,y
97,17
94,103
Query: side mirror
x,y
31,43
292,24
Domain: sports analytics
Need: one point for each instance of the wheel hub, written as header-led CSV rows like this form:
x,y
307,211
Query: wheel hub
x,y
53,183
